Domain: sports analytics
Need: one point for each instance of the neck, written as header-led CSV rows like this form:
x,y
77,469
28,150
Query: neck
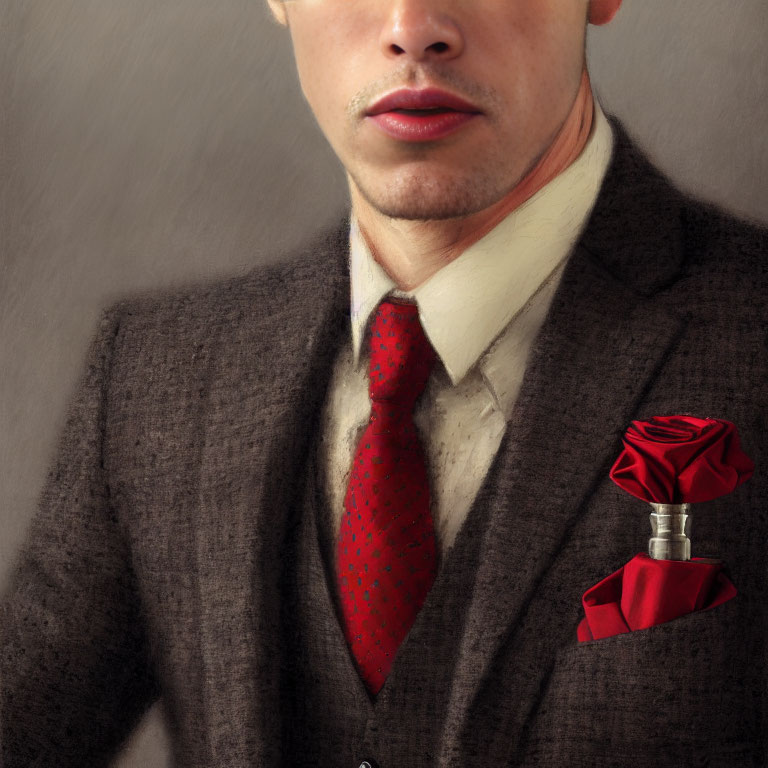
x,y
412,251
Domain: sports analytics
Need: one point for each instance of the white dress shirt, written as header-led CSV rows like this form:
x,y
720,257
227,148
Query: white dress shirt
x,y
481,312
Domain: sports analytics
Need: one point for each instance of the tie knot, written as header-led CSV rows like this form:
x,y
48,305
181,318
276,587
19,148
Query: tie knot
x,y
401,355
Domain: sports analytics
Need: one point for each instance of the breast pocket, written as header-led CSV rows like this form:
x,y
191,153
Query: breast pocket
x,y
684,693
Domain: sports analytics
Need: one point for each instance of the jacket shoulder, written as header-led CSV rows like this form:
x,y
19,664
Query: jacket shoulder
x,y
188,315
724,274
655,236
716,239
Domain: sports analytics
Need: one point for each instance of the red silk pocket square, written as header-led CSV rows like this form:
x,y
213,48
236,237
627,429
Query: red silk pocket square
x,y
646,592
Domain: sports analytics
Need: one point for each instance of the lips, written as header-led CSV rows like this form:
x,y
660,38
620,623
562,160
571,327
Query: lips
x,y
428,100
419,116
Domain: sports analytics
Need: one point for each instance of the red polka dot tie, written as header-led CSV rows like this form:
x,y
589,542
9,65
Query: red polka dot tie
x,y
387,557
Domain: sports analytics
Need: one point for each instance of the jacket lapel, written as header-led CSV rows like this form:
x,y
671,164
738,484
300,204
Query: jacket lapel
x,y
271,364
605,338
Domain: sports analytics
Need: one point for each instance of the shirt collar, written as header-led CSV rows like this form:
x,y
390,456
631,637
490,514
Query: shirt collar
x,y
466,305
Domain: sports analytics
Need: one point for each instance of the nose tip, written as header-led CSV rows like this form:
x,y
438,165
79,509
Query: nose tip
x,y
420,33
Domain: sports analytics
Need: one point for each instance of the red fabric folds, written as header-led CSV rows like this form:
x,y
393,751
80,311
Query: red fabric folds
x,y
681,460
646,592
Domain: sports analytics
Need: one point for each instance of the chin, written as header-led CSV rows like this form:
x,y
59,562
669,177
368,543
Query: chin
x,y
422,199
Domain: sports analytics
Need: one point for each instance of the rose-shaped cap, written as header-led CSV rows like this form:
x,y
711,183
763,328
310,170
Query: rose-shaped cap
x,y
681,460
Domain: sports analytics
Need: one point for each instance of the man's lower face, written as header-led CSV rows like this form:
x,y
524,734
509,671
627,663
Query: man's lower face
x,y
433,189
517,65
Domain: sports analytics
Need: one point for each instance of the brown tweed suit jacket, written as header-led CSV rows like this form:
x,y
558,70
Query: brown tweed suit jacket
x,y
158,561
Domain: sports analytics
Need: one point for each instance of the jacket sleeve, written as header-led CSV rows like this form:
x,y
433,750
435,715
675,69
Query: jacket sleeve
x,y
75,670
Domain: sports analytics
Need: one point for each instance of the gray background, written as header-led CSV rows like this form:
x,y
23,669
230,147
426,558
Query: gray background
x,y
156,143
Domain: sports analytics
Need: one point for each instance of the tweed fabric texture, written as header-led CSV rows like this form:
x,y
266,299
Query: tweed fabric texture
x,y
387,552
163,558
